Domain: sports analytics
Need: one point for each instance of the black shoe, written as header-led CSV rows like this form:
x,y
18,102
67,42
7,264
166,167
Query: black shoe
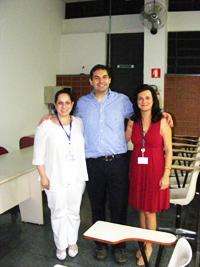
x,y
101,253
120,255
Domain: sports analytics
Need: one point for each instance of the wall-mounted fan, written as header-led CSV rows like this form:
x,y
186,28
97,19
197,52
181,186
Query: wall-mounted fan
x,y
153,16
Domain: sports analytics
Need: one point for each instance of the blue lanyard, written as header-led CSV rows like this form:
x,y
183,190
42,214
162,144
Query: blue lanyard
x,y
70,128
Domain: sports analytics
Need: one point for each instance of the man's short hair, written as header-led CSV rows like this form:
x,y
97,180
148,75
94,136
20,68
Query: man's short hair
x,y
100,67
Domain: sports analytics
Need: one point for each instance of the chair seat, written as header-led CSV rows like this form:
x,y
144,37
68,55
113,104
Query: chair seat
x,y
3,150
26,141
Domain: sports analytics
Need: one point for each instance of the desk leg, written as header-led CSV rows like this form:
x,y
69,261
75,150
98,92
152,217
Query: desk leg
x,y
159,256
141,245
31,210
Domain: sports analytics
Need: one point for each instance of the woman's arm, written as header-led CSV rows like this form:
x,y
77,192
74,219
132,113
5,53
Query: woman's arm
x,y
129,128
167,138
45,183
39,151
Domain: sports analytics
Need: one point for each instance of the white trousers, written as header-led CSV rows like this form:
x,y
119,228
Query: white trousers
x,y
65,213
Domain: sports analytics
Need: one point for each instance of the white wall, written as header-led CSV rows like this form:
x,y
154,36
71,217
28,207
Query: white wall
x,y
119,24
155,46
183,21
80,52
176,21
29,51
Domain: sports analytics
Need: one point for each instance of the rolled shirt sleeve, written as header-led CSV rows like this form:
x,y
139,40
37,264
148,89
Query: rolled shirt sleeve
x,y
40,145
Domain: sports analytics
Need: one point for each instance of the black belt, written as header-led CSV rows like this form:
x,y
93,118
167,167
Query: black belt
x,y
111,157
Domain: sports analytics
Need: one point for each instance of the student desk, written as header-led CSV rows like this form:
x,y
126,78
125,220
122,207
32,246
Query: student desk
x,y
19,185
112,233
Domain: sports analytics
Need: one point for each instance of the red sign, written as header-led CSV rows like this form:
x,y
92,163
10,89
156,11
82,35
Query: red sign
x,y
155,73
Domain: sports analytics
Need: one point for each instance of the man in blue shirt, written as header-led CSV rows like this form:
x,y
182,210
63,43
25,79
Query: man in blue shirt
x,y
103,113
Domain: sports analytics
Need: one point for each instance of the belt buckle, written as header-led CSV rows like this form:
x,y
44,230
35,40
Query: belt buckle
x,y
109,158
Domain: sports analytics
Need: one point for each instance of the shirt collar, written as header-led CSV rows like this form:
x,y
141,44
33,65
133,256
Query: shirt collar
x,y
108,94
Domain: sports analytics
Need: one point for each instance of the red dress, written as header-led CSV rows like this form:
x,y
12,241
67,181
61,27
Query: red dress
x,y
145,193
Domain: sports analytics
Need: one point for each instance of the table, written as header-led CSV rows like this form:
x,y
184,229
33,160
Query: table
x,y
19,185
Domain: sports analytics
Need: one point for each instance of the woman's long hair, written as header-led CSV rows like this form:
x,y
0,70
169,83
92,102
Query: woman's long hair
x,y
156,111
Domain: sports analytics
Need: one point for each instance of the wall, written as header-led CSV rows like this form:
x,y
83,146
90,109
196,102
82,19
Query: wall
x,y
79,83
155,46
182,98
80,52
29,50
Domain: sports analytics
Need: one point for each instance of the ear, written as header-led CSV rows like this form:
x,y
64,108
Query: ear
x,y
91,82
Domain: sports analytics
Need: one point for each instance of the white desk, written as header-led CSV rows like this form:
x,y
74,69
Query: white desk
x,y
113,233
19,184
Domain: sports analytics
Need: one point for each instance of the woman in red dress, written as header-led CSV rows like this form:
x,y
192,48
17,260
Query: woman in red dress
x,y
150,162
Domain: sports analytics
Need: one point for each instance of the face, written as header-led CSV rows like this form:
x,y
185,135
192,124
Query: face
x,y
100,81
145,100
64,105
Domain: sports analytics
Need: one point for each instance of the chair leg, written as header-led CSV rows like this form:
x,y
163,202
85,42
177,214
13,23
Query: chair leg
x,y
178,230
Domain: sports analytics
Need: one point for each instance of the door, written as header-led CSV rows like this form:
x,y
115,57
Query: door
x,y
126,61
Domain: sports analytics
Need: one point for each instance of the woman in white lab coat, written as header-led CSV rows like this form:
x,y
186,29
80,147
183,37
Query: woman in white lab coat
x,y
60,158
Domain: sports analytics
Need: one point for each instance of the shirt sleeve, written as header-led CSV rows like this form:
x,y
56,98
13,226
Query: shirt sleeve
x,y
40,144
76,111
128,108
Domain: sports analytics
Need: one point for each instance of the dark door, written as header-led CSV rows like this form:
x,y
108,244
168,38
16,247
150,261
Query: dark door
x,y
126,60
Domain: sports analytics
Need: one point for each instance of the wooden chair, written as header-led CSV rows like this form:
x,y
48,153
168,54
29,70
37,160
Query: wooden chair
x,y
182,254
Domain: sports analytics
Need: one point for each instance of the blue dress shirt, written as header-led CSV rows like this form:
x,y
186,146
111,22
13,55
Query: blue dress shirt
x,y
104,130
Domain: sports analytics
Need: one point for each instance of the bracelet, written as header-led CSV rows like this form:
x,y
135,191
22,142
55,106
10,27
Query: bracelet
x,y
168,168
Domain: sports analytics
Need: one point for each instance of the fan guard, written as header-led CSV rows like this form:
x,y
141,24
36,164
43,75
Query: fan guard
x,y
153,16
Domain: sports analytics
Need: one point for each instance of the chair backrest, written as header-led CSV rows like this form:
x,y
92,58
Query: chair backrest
x,y
26,141
182,254
183,196
3,150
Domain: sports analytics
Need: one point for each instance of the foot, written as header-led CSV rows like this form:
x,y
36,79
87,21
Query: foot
x,y
61,254
148,253
101,253
120,255
73,250
138,254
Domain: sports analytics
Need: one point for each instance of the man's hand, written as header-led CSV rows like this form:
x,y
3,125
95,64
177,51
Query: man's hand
x,y
44,118
169,119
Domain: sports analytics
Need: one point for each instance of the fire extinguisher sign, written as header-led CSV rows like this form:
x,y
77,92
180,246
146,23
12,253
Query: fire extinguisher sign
x,y
155,73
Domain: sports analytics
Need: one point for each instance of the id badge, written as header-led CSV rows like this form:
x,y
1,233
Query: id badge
x,y
142,160
70,156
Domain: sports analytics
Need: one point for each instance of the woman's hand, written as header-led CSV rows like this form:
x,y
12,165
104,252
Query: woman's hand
x,y
44,118
45,183
164,182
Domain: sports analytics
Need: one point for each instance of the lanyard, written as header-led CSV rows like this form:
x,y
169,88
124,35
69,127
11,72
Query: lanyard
x,y
70,128
143,141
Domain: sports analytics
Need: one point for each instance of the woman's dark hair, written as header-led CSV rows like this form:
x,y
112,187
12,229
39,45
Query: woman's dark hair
x,y
67,91
99,67
156,111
